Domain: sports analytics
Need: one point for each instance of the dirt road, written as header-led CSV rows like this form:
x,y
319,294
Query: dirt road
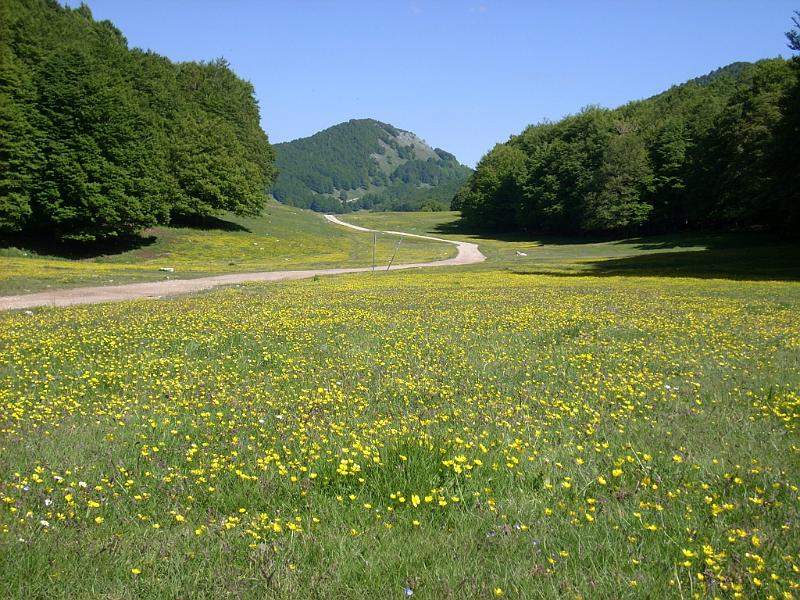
x,y
468,253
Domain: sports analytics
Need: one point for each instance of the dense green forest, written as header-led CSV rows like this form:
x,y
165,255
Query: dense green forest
x,y
98,140
366,164
718,152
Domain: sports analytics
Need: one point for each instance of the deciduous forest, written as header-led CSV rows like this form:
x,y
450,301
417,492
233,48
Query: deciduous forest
x,y
718,152
98,140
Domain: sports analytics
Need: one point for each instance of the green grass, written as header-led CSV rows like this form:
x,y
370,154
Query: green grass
x,y
286,238
578,422
462,433
732,256
283,238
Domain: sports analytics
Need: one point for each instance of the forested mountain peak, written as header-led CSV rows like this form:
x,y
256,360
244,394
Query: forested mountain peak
x,y
364,163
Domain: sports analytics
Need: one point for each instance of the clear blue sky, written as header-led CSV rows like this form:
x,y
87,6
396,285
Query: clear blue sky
x,y
462,75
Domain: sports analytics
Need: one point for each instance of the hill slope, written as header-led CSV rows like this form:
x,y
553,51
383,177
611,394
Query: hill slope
x,y
364,163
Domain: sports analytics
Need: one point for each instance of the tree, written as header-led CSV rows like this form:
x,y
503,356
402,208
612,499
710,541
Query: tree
x,y
787,151
563,159
621,182
668,157
490,198
740,152
793,35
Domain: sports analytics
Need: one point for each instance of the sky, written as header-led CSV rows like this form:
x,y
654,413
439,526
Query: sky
x,y
463,75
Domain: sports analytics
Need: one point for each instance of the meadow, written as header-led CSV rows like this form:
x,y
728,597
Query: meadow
x,y
466,433
749,256
282,238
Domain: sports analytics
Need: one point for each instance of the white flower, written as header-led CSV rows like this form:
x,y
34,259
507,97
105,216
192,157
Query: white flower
x,y
44,523
82,484
47,502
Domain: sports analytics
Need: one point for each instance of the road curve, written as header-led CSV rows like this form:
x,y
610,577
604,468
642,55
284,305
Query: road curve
x,y
468,253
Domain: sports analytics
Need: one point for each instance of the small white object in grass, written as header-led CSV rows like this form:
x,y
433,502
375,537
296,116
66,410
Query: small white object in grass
x,y
408,591
521,253
167,269
29,312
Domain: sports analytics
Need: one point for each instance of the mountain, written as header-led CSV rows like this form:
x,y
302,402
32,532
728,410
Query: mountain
x,y
364,163
717,152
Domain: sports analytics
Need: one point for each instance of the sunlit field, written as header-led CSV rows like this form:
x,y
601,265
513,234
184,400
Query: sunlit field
x,y
283,238
446,434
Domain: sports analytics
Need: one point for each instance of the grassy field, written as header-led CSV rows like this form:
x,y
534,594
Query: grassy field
x,y
582,420
283,238
451,434
286,238
748,256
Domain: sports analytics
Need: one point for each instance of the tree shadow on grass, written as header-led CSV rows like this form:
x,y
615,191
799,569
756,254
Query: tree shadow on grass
x,y
744,256
738,257
45,245
206,223
460,227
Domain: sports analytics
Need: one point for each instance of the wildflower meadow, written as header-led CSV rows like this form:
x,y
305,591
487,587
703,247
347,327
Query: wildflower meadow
x,y
437,434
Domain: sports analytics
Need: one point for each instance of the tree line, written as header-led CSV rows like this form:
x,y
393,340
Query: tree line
x,y
98,140
718,152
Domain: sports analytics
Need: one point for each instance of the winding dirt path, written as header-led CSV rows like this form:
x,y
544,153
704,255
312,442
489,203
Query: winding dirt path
x,y
468,253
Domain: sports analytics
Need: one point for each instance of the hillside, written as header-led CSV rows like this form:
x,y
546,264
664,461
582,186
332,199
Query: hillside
x,y
364,163
717,152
